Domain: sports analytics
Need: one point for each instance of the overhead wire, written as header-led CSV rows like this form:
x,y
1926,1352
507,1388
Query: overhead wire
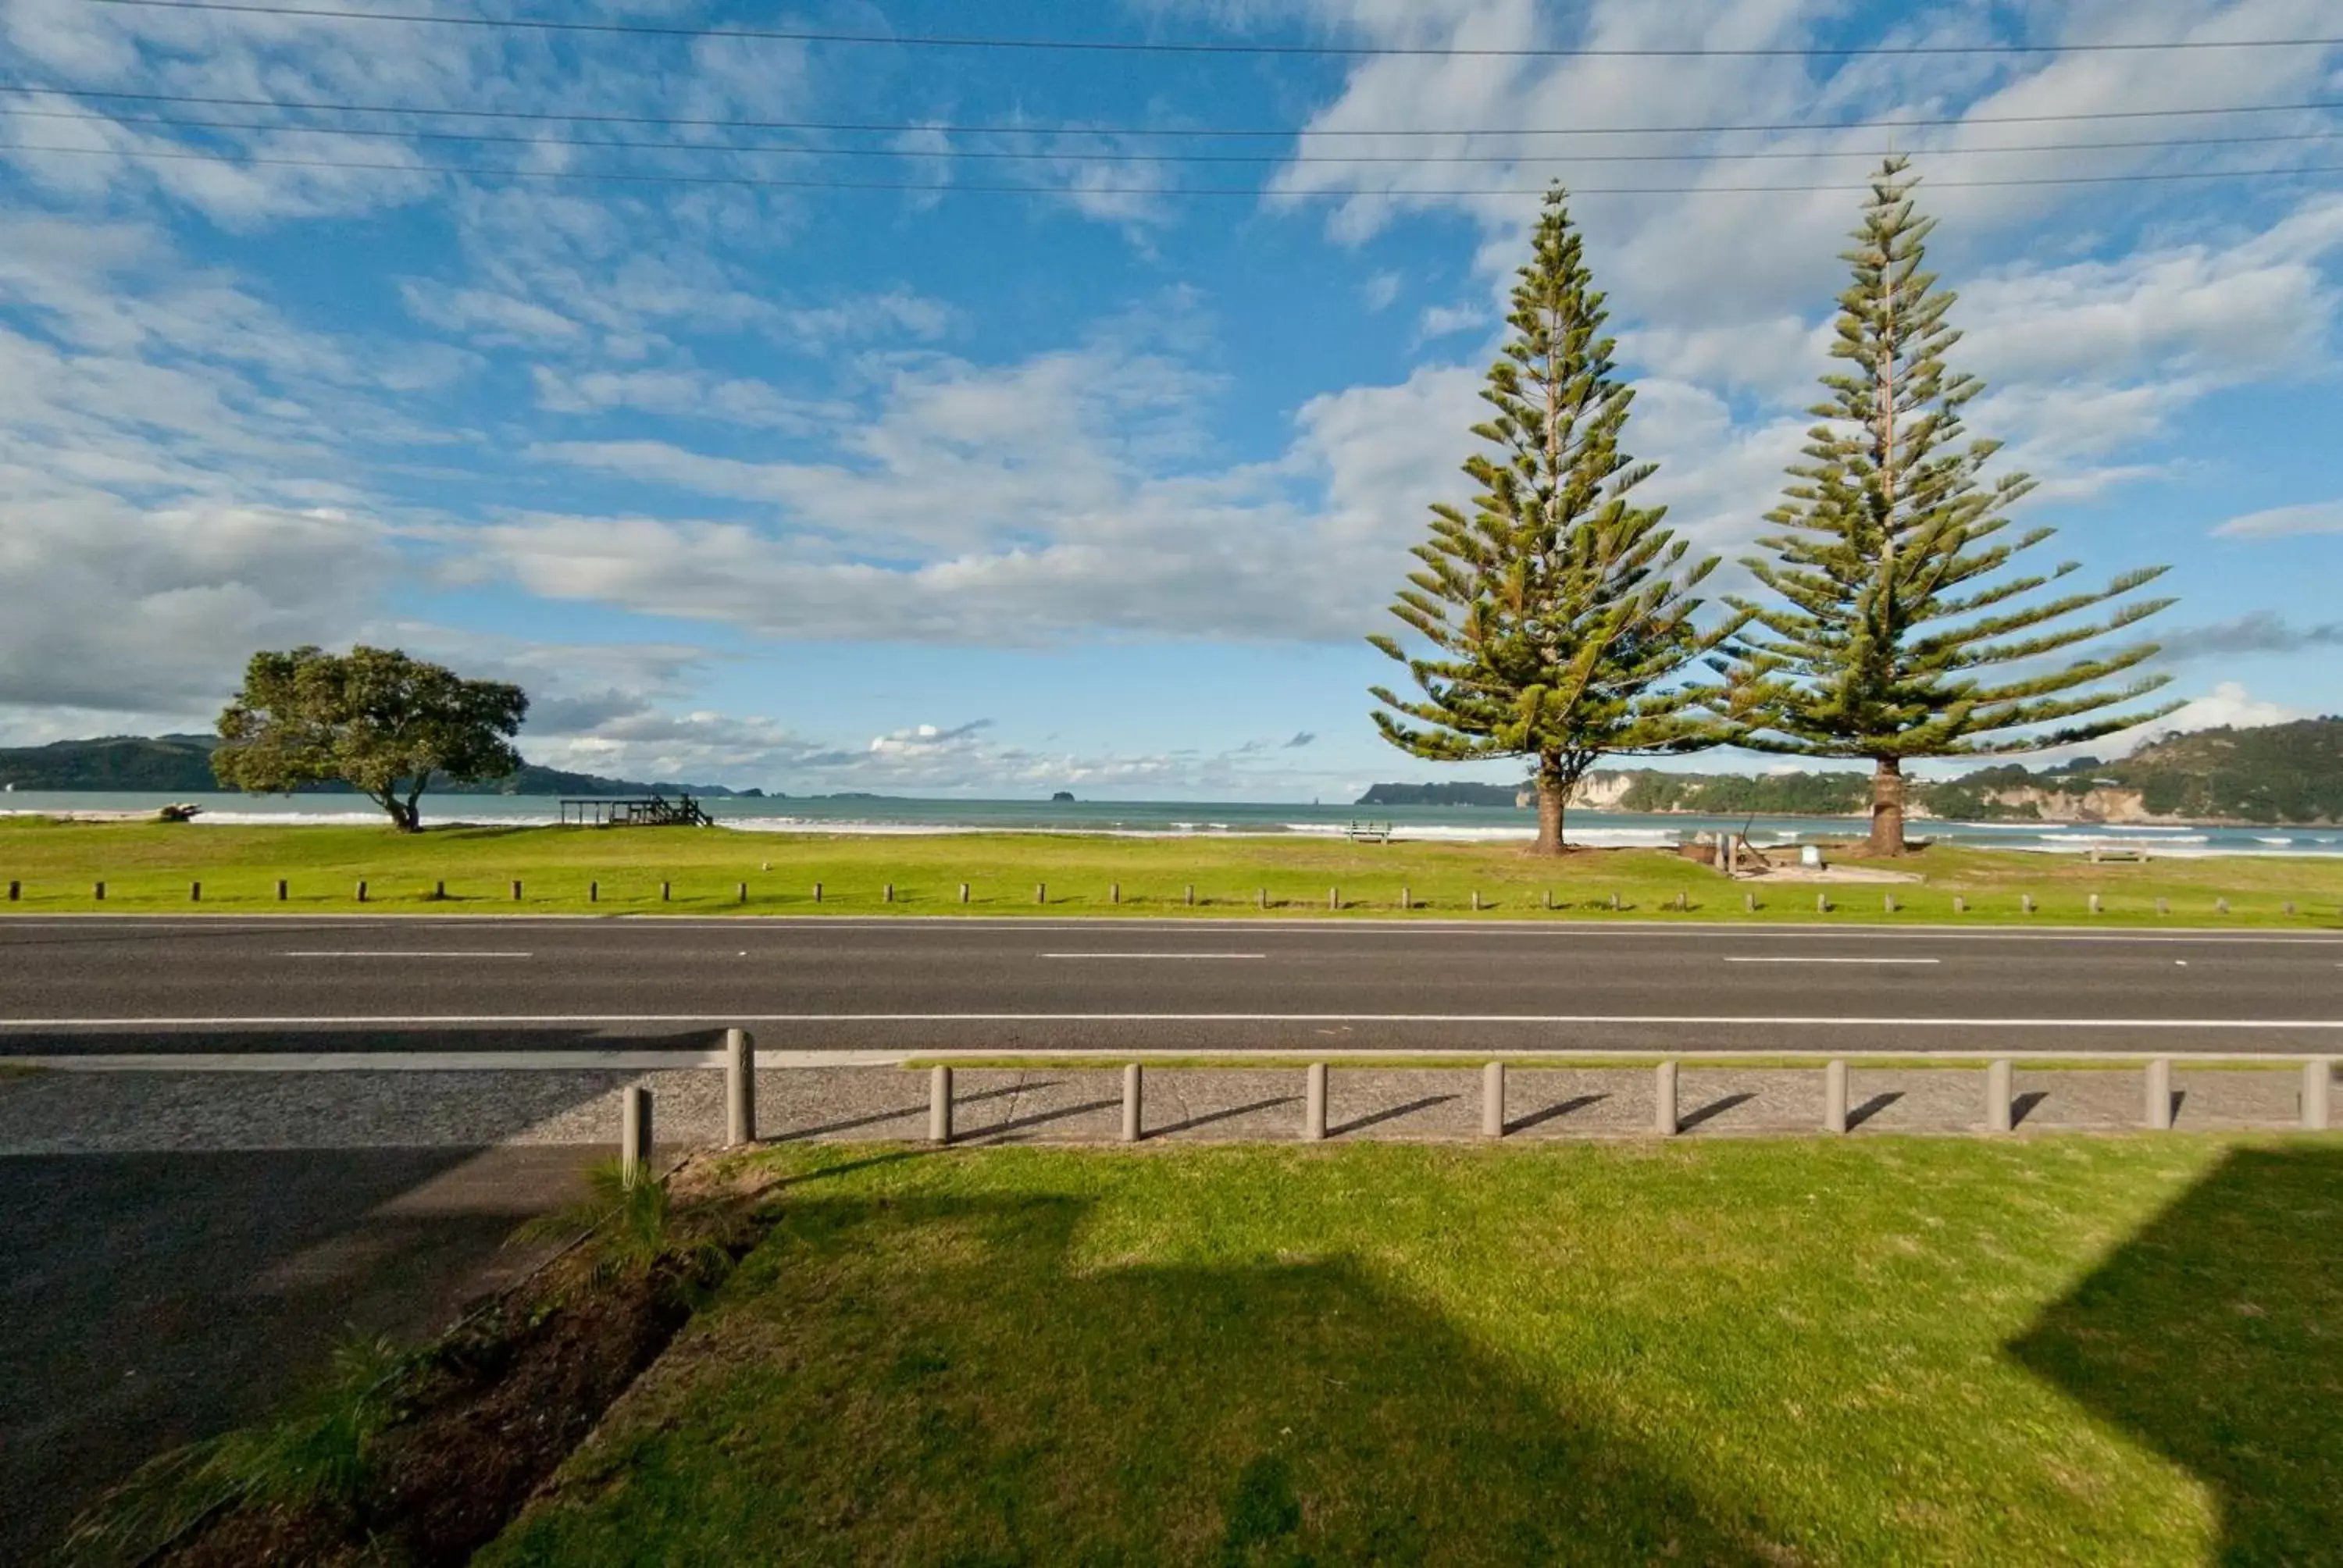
x,y
971,128
1063,154
1207,46
947,186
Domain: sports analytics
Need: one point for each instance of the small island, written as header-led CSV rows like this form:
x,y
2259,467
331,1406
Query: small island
x,y
1062,795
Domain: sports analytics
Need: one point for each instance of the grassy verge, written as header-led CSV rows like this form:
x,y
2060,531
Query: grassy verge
x,y
2080,1350
149,867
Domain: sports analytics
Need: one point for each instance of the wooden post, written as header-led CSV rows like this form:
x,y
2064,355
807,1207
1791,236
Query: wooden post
x,y
634,1133
1192,894
741,893
1663,1120
2094,903
1748,903
16,890
1492,1100
1998,1118
666,892
2220,906
282,893
740,1087
1313,1103
963,892
1041,892
1834,1097
887,894
816,893
1406,899
1134,1113
361,890
2159,1094
99,892
1476,900
1683,903
195,892
439,890
2163,906
1334,897
1264,898
594,892
1614,902
516,890
1549,897
939,1105
1114,892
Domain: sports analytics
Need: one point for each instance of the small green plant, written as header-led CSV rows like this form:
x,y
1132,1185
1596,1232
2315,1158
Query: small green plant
x,y
315,1453
628,1224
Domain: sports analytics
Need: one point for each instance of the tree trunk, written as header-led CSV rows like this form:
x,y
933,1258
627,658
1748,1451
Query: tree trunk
x,y
1887,805
1554,786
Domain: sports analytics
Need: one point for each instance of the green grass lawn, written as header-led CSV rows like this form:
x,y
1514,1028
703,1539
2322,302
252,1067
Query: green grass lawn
x,y
2080,1350
149,867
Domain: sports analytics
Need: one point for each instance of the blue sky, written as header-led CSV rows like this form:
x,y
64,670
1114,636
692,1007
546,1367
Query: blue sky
x,y
1094,483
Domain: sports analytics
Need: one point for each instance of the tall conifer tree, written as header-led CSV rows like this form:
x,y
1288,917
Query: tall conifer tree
x,y
1892,630
1559,613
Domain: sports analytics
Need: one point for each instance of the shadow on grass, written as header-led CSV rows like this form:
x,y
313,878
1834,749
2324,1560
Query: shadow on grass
x,y
931,1379
2211,1335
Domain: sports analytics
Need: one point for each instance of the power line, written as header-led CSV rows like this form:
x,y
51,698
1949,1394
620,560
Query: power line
x,y
964,129
1063,156
947,186
1145,47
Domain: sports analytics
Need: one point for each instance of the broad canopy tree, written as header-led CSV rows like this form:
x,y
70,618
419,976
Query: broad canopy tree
x,y
1891,630
387,725
1559,613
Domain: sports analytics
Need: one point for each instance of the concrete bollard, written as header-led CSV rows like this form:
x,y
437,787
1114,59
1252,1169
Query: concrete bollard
x,y
1834,1097
1614,902
284,892
2318,1081
1476,900
1134,1126
634,1133
740,1087
361,892
963,892
1406,899
2094,903
887,894
1996,1097
2159,1095
2163,906
1114,892
1748,903
1822,903
1313,1103
2025,904
1663,1117
99,892
1190,893
1549,897
1891,903
816,893
939,1105
1334,897
2220,906
195,892
1960,905
1492,1100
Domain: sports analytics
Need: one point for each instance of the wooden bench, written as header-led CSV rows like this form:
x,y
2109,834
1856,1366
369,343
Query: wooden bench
x,y
1369,833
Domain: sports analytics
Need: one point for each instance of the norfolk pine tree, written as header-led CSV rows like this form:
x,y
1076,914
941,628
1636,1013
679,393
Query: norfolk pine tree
x,y
1559,614
1893,631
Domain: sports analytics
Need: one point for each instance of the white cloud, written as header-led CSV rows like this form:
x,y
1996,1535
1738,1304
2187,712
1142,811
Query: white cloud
x,y
1379,291
2282,522
1441,320
2227,705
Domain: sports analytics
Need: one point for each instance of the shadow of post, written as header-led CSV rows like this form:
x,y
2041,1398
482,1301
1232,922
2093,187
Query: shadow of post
x,y
2212,1335
1004,1405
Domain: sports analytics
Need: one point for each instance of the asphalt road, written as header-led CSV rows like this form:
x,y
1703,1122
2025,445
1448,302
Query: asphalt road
x,y
125,984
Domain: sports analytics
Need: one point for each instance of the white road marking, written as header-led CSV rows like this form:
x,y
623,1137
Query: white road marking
x,y
1798,959
289,1061
386,953
1722,1020
1154,955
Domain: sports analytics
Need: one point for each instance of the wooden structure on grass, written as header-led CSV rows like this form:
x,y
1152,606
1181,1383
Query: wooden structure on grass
x,y
634,811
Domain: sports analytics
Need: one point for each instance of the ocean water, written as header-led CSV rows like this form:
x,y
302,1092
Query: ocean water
x,y
1156,818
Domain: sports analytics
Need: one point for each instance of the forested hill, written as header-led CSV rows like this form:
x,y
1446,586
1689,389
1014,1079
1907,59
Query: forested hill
x,y
2275,774
182,764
